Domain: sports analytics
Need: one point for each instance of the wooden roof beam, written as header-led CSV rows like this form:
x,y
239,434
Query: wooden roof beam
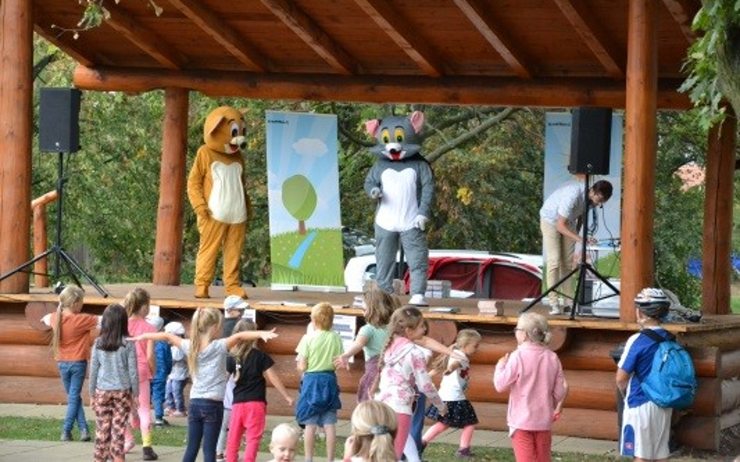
x,y
591,33
498,39
387,17
315,37
490,91
45,30
683,12
143,38
222,33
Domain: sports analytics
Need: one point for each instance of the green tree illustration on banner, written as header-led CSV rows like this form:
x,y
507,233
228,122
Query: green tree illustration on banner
x,y
299,199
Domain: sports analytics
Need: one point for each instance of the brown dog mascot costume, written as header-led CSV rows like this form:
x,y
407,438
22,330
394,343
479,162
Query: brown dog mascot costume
x,y
217,193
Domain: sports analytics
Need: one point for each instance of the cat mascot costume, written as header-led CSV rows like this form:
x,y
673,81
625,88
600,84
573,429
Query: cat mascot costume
x,y
218,196
402,182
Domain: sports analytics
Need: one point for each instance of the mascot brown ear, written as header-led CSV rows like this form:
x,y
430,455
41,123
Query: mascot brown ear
x,y
216,122
372,126
417,120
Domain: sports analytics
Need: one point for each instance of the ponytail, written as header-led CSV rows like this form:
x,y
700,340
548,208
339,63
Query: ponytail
x,y
70,296
201,331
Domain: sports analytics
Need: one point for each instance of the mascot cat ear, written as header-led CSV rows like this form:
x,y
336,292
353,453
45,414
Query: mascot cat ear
x,y
417,120
372,126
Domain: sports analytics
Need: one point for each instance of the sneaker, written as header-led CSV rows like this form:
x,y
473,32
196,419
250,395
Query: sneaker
x,y
220,457
128,445
179,414
418,300
149,453
168,411
464,453
85,435
161,423
66,436
556,310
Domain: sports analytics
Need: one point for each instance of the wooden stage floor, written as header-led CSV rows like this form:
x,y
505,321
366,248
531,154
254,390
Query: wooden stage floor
x,y
265,299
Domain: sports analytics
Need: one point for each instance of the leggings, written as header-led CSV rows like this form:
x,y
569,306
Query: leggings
x,y
112,409
532,446
145,416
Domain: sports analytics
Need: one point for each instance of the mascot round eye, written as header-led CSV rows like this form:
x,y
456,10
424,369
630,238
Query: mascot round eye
x,y
398,134
234,129
385,136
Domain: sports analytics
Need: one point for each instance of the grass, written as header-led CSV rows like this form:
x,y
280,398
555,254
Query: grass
x,y
321,265
45,429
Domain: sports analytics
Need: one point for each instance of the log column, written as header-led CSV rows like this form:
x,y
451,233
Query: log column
x,y
718,217
638,202
16,95
168,244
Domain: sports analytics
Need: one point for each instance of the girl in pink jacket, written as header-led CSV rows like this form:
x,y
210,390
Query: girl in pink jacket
x,y
537,388
403,370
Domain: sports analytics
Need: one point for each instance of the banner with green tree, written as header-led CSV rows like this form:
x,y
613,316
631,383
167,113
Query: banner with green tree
x,y
303,188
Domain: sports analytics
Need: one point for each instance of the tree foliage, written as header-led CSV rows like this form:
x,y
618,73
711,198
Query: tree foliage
x,y
714,60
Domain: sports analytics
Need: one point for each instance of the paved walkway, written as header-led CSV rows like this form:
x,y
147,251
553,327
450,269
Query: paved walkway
x,y
77,451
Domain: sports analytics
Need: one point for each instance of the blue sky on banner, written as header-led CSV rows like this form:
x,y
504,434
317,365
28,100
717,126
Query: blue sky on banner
x,y
305,144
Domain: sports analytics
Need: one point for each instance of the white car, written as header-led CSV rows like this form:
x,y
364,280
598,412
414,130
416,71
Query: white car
x,y
471,273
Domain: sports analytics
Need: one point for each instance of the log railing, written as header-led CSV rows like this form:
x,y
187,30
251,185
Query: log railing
x,y
38,208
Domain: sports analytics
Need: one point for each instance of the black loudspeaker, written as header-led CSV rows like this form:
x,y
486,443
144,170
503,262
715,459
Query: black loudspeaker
x,y
590,140
59,128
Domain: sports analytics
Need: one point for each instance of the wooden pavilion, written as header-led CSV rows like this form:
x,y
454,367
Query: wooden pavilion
x,y
548,53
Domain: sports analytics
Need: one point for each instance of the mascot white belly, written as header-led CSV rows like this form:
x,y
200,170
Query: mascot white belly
x,y
227,202
398,206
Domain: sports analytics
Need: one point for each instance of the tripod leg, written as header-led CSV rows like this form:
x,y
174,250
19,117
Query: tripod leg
x,y
27,264
70,269
601,278
71,261
549,290
580,288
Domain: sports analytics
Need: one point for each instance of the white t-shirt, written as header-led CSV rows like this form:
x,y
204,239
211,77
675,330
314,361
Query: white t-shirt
x,y
453,386
567,201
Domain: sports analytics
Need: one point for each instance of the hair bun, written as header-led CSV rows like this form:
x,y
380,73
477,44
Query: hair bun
x,y
379,430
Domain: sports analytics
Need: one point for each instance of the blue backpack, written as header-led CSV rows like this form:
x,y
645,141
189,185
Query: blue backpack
x,y
672,379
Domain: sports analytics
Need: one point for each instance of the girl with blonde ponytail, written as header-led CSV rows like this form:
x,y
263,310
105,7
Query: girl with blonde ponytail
x,y
70,343
373,432
206,352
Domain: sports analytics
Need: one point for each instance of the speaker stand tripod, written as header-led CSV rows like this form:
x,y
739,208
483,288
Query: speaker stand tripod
x,y
73,267
583,269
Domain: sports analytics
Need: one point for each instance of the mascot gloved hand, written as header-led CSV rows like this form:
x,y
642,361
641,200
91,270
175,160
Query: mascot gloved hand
x,y
402,182
218,196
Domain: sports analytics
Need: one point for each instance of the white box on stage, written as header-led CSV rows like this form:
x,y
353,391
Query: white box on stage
x,y
605,307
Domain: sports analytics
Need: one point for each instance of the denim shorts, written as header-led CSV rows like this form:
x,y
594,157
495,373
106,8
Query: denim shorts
x,y
327,418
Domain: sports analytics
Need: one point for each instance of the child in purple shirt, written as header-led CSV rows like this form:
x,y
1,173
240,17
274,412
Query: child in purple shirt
x,y
537,388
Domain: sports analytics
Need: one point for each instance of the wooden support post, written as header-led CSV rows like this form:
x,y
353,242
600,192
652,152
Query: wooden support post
x,y
638,203
168,244
16,95
716,265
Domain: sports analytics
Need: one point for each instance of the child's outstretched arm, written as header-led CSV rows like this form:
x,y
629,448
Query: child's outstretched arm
x,y
167,337
274,379
247,335
357,346
430,344
425,385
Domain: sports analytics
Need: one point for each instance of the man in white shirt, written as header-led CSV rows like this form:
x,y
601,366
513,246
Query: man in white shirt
x,y
558,223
